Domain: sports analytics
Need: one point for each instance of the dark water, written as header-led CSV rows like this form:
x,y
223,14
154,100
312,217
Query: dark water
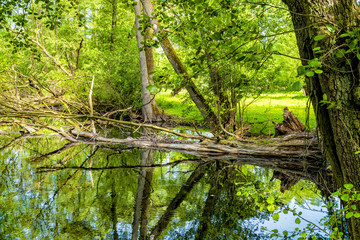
x,y
53,190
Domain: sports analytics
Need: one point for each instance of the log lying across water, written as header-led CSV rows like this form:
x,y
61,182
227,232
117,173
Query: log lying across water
x,y
292,157
296,146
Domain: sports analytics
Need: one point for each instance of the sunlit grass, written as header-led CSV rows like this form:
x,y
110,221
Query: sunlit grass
x,y
260,113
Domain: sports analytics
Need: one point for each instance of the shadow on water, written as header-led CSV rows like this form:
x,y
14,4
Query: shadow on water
x,y
54,190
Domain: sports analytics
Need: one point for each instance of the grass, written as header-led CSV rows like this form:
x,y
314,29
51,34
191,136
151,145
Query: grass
x,y
264,109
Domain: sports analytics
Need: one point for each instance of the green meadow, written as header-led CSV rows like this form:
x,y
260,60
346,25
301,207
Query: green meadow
x,y
258,113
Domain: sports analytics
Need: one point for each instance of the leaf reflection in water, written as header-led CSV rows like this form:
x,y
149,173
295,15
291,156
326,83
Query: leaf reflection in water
x,y
51,189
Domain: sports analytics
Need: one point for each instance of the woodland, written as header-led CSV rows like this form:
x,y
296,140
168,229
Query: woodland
x,y
78,68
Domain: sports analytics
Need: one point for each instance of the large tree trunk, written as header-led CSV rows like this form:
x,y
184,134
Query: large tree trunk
x,y
339,127
147,111
180,69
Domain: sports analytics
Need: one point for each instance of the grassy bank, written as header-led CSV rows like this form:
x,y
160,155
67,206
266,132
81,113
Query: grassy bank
x,y
259,113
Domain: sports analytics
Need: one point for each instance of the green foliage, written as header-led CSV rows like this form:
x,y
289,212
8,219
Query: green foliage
x,y
330,104
81,37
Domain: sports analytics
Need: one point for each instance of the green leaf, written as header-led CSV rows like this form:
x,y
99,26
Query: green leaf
x,y
153,89
318,71
270,200
331,105
348,186
275,217
314,63
357,152
303,234
285,211
297,221
357,215
319,37
353,44
330,28
316,49
211,2
339,54
344,35
353,207
325,97
271,208
349,215
285,233
301,70
358,56
309,73
314,237
345,197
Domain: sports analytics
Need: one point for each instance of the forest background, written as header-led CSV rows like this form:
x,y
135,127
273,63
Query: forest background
x,y
230,51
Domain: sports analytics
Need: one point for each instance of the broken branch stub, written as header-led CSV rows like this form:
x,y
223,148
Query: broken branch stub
x,y
290,124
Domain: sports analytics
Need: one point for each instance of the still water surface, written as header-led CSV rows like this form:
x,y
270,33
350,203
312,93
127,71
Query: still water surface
x,y
54,190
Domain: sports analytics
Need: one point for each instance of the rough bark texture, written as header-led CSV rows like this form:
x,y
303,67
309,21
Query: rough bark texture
x,y
339,128
297,147
147,111
180,69
290,124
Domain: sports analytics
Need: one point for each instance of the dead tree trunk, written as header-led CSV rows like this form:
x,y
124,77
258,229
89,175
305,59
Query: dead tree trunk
x,y
290,124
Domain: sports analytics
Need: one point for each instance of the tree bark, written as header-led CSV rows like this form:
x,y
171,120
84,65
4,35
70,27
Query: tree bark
x,y
113,23
180,69
339,127
151,69
290,124
147,111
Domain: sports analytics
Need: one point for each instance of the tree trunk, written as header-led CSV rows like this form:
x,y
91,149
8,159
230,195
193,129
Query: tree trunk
x,y
113,24
339,126
217,86
180,69
147,111
151,69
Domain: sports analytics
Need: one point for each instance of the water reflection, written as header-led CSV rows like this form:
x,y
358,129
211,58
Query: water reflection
x,y
54,190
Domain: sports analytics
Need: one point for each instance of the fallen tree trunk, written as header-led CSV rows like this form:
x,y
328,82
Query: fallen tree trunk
x,y
297,146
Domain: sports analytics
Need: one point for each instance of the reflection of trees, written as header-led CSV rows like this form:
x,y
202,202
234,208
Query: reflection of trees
x,y
142,204
224,212
87,193
167,216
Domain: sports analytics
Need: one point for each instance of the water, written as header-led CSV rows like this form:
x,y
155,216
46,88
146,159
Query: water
x,y
53,190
